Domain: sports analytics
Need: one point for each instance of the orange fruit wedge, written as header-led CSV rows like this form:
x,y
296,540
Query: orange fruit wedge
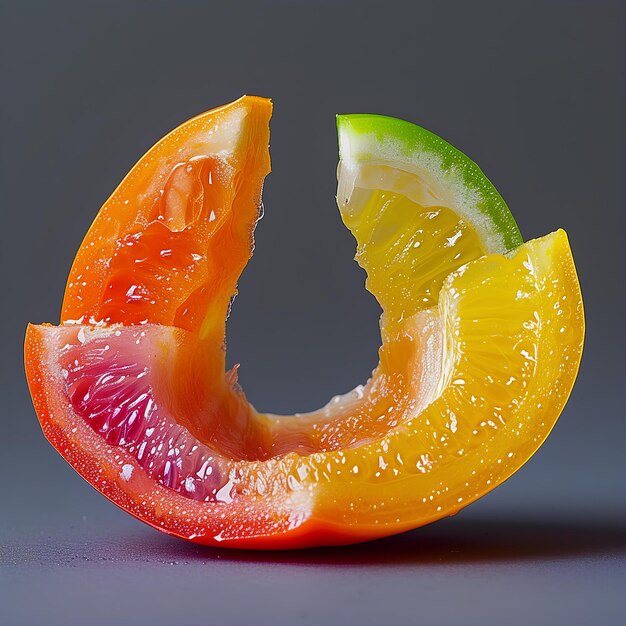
x,y
481,340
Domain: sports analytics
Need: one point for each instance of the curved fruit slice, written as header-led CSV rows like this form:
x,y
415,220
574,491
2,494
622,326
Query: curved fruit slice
x,y
131,389
502,351
418,208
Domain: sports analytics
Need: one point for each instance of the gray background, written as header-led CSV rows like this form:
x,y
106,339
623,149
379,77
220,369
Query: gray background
x,y
533,91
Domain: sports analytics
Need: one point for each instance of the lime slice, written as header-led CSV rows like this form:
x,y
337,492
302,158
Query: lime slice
x,y
418,208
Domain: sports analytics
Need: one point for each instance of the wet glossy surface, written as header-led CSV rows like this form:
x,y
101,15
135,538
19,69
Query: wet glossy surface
x,y
480,419
455,406
168,245
109,382
407,249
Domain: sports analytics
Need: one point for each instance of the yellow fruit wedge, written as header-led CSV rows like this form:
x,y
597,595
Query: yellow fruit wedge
x,y
476,385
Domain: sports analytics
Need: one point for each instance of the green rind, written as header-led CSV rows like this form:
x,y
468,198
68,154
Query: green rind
x,y
356,131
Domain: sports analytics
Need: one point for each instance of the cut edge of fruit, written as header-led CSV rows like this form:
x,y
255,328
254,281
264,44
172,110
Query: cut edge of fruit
x,y
449,174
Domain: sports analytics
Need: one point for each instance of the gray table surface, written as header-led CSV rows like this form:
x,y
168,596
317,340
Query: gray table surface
x,y
477,568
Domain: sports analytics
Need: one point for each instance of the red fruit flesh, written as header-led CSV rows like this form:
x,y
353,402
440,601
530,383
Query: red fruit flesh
x,y
109,383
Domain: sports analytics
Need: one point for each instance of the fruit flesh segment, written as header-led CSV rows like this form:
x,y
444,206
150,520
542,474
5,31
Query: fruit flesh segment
x,y
408,243
511,336
407,250
110,379
150,260
170,243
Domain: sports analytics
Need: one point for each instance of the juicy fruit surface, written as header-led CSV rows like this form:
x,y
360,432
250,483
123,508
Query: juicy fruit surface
x,y
496,396
110,383
480,349
408,250
418,208
143,278
169,244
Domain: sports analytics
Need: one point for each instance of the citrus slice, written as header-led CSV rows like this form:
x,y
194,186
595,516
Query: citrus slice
x,y
418,208
137,399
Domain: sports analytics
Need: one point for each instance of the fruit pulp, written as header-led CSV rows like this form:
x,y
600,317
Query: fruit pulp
x,y
480,349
